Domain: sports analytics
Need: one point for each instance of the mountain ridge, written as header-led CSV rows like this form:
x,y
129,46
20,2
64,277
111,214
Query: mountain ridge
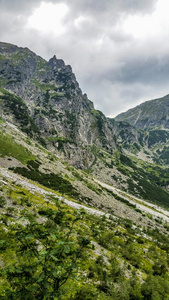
x,y
48,105
133,115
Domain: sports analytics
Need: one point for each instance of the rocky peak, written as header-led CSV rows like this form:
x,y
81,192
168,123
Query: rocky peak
x,y
64,116
56,63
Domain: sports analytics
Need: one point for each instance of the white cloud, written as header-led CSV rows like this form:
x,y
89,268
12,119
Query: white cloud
x,y
144,26
82,21
49,18
119,50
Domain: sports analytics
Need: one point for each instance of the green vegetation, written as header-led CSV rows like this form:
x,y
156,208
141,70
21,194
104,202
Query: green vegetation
x,y
121,199
64,78
41,63
126,161
71,123
45,87
99,122
2,121
90,186
146,179
56,139
53,181
95,151
50,251
2,201
43,257
163,155
20,57
19,109
60,140
3,82
8,147
157,136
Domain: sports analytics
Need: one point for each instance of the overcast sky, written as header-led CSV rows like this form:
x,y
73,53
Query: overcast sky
x,y
118,49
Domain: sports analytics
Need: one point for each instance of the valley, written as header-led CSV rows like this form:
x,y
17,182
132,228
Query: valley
x,y
84,199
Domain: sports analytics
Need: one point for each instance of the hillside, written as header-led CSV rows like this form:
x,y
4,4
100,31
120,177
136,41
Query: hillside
x,y
150,114
44,100
150,119
52,251
84,199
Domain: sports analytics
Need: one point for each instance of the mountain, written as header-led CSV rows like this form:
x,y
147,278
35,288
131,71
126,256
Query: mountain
x,y
58,111
44,101
151,120
150,114
84,199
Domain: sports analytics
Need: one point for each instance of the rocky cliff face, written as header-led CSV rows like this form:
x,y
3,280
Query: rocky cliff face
x,y
64,117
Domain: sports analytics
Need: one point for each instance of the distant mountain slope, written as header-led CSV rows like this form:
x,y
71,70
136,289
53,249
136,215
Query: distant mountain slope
x,y
153,113
151,120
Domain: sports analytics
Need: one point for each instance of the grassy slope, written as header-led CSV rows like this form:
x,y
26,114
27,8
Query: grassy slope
x,y
146,180
8,147
149,177
122,261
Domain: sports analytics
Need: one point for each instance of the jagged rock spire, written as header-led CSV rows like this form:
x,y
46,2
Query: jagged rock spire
x,y
56,63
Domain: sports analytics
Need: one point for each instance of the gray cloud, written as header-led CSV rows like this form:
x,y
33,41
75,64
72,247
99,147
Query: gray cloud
x,y
19,6
116,70
113,7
